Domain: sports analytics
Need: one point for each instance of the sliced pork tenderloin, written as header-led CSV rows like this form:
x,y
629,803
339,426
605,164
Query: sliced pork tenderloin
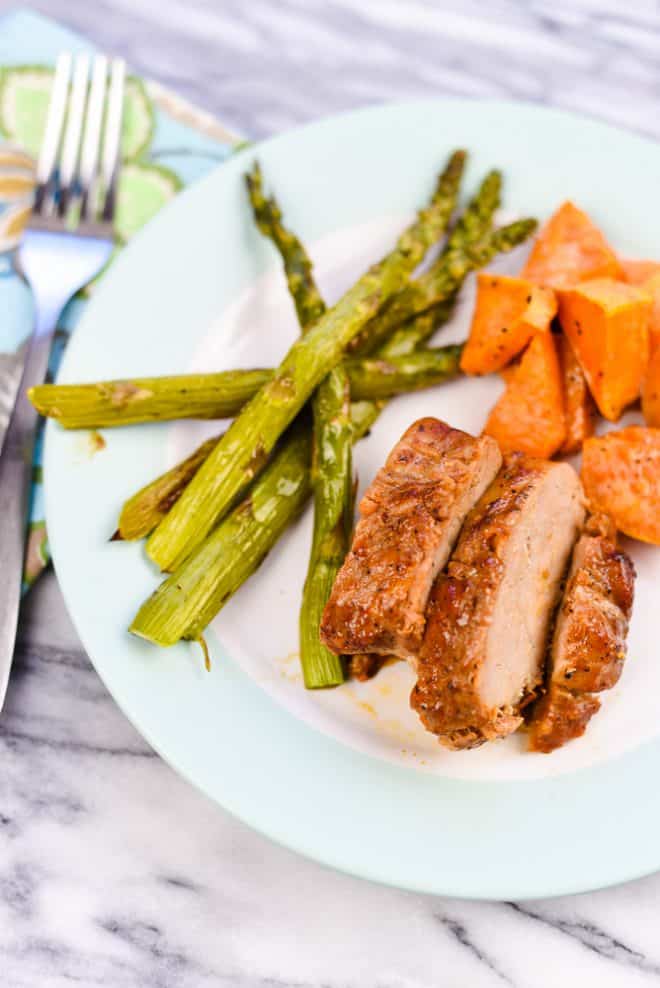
x,y
489,615
410,518
589,643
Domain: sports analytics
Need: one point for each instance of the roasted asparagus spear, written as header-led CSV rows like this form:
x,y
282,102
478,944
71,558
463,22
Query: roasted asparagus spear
x,y
331,442
150,399
297,265
215,396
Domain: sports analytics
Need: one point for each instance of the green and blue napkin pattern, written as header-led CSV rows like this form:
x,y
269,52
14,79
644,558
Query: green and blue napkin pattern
x,y
167,144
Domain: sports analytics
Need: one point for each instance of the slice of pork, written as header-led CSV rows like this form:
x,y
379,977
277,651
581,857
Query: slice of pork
x,y
589,644
410,518
489,616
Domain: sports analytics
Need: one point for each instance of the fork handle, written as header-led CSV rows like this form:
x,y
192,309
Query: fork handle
x,y
15,483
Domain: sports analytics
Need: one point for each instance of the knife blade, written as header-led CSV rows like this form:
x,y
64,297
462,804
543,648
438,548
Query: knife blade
x,y
12,366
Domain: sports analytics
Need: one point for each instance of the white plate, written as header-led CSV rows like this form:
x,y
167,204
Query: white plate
x,y
347,776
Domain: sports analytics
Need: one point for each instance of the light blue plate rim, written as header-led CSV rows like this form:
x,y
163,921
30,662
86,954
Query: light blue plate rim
x,y
492,840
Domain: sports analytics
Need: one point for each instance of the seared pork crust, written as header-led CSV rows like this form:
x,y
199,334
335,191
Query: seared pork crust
x,y
364,665
589,644
560,716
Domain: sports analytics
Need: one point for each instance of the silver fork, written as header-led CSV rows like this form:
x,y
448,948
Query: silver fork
x,y
68,240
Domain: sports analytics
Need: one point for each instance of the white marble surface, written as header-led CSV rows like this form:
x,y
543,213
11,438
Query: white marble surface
x,y
114,872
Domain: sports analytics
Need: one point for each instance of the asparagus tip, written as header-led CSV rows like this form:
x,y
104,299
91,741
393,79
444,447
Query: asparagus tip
x,y
458,158
253,176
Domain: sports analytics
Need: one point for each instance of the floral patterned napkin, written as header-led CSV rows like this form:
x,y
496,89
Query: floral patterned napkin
x,y
167,143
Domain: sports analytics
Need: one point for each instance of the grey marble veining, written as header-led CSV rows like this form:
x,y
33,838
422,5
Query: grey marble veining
x,y
113,871
266,65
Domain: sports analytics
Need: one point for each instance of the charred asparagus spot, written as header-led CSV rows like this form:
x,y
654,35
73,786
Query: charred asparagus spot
x,y
144,510
229,468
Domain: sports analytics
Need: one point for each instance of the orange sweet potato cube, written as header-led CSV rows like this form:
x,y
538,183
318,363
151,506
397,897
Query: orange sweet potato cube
x,y
637,272
651,391
621,476
530,414
507,313
579,407
607,323
652,287
570,248
507,372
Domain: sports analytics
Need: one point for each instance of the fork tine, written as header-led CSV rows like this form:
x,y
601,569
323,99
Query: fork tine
x,y
53,131
91,148
112,137
72,133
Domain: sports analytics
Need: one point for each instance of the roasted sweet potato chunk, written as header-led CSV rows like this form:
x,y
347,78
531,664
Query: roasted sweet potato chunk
x,y
621,476
651,391
646,274
507,314
570,248
607,323
579,406
637,272
530,414
652,287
